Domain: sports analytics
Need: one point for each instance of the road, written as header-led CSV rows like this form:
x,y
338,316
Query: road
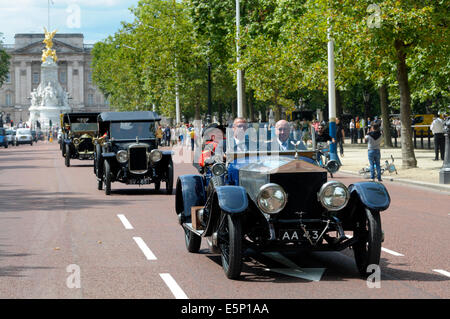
x,y
60,237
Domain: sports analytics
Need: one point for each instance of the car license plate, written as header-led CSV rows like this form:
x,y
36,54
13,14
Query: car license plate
x,y
298,234
23,137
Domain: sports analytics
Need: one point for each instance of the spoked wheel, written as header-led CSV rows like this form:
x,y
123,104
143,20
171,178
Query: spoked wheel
x,y
107,177
67,159
193,241
169,182
368,248
229,237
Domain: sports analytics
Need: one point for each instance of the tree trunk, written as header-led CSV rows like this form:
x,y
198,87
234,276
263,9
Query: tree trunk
x,y
408,157
385,116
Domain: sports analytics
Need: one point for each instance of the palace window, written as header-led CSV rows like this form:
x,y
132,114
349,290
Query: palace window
x,y
8,99
36,78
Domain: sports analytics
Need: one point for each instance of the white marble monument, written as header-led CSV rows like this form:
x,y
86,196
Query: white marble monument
x,y
49,100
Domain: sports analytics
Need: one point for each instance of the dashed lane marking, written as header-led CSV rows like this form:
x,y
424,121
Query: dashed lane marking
x,y
391,252
147,252
125,221
173,286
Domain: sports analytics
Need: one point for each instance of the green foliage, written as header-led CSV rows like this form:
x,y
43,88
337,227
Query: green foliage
x,y
4,63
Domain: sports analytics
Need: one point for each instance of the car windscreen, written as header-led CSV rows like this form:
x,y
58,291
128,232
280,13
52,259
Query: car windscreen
x,y
24,132
77,127
131,130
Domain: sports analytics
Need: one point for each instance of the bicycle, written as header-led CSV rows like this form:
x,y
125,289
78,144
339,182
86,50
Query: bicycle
x,y
390,167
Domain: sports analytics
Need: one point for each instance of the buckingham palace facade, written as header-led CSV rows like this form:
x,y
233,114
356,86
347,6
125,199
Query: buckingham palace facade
x,y
74,74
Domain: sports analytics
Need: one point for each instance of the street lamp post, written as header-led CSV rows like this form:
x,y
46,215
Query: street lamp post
x,y
331,95
208,117
240,108
444,173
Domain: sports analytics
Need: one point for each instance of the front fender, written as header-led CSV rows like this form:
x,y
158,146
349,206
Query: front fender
x,y
372,195
232,199
190,191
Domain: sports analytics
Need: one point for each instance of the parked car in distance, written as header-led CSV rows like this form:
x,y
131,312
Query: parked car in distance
x,y
23,136
422,119
11,136
34,135
40,135
3,138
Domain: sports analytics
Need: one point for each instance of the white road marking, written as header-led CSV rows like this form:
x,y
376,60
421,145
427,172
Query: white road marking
x,y
391,252
442,272
384,249
147,252
125,221
173,286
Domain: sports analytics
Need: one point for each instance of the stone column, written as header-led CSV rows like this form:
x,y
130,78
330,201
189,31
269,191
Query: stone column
x,y
17,83
81,79
70,81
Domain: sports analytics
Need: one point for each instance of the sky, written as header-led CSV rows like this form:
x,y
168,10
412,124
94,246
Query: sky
x,y
96,19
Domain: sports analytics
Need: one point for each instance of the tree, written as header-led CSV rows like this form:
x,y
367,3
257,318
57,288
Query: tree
x,y
4,63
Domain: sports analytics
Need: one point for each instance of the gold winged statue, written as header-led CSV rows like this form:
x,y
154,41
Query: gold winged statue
x,y
48,45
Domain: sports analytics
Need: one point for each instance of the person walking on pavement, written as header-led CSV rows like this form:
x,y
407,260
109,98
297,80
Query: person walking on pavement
x,y
437,127
358,130
340,136
351,126
373,139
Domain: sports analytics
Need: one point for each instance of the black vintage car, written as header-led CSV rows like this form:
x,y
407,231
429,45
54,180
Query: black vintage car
x,y
127,151
79,130
271,200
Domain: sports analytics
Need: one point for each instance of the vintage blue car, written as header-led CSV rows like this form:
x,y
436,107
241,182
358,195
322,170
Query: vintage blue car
x,y
3,137
273,200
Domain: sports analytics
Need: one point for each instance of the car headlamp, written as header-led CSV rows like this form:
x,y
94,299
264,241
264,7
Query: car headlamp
x,y
155,156
333,195
218,169
122,156
271,198
76,141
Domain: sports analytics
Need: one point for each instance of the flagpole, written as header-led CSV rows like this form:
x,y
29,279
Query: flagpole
x,y
48,15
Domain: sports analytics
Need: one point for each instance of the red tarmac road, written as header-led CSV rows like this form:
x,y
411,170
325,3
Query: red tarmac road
x,y
55,224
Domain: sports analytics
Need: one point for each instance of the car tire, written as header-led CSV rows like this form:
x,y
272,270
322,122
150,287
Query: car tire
x,y
67,155
99,166
368,248
6,145
107,177
192,240
229,237
169,182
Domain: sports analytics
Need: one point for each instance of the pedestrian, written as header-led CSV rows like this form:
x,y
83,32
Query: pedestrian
x,y
362,125
358,129
340,136
437,127
167,134
351,127
373,139
173,136
159,135
192,136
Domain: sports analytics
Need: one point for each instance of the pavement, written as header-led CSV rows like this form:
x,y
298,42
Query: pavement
x,y
426,174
